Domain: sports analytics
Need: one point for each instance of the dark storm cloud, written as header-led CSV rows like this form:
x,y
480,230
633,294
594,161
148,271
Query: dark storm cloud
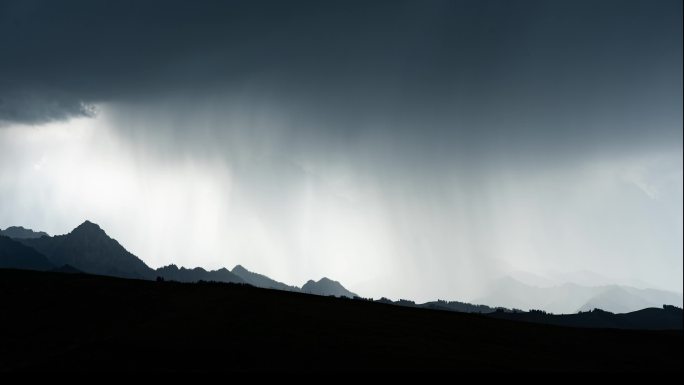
x,y
41,107
525,73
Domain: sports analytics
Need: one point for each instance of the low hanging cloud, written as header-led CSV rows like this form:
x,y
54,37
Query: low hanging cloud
x,y
39,107
454,72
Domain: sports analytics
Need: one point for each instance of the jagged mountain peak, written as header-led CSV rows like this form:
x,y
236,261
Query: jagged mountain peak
x,y
89,249
260,280
88,227
194,274
327,286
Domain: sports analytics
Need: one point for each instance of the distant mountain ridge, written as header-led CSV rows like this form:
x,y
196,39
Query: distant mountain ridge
x,y
88,249
664,318
18,232
173,273
260,280
16,255
326,286
570,298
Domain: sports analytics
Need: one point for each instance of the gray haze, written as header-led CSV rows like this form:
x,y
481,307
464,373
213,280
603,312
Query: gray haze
x,y
416,149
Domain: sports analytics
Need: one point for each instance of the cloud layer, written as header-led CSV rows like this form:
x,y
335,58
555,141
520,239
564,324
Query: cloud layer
x,y
531,74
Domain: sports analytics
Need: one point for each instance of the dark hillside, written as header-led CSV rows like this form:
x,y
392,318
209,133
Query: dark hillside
x,y
85,322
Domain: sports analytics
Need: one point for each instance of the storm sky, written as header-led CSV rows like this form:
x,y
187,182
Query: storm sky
x,y
409,149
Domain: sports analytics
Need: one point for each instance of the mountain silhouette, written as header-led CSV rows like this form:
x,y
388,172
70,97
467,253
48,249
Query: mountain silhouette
x,y
461,307
260,280
89,249
617,300
570,298
664,318
624,299
16,255
173,273
18,232
326,286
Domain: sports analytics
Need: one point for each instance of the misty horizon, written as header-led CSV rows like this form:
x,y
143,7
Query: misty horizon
x,y
554,292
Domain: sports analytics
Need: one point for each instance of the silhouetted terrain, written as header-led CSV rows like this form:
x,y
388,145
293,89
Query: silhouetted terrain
x,y
14,254
571,298
89,249
57,321
667,317
458,306
173,273
19,232
326,286
260,280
